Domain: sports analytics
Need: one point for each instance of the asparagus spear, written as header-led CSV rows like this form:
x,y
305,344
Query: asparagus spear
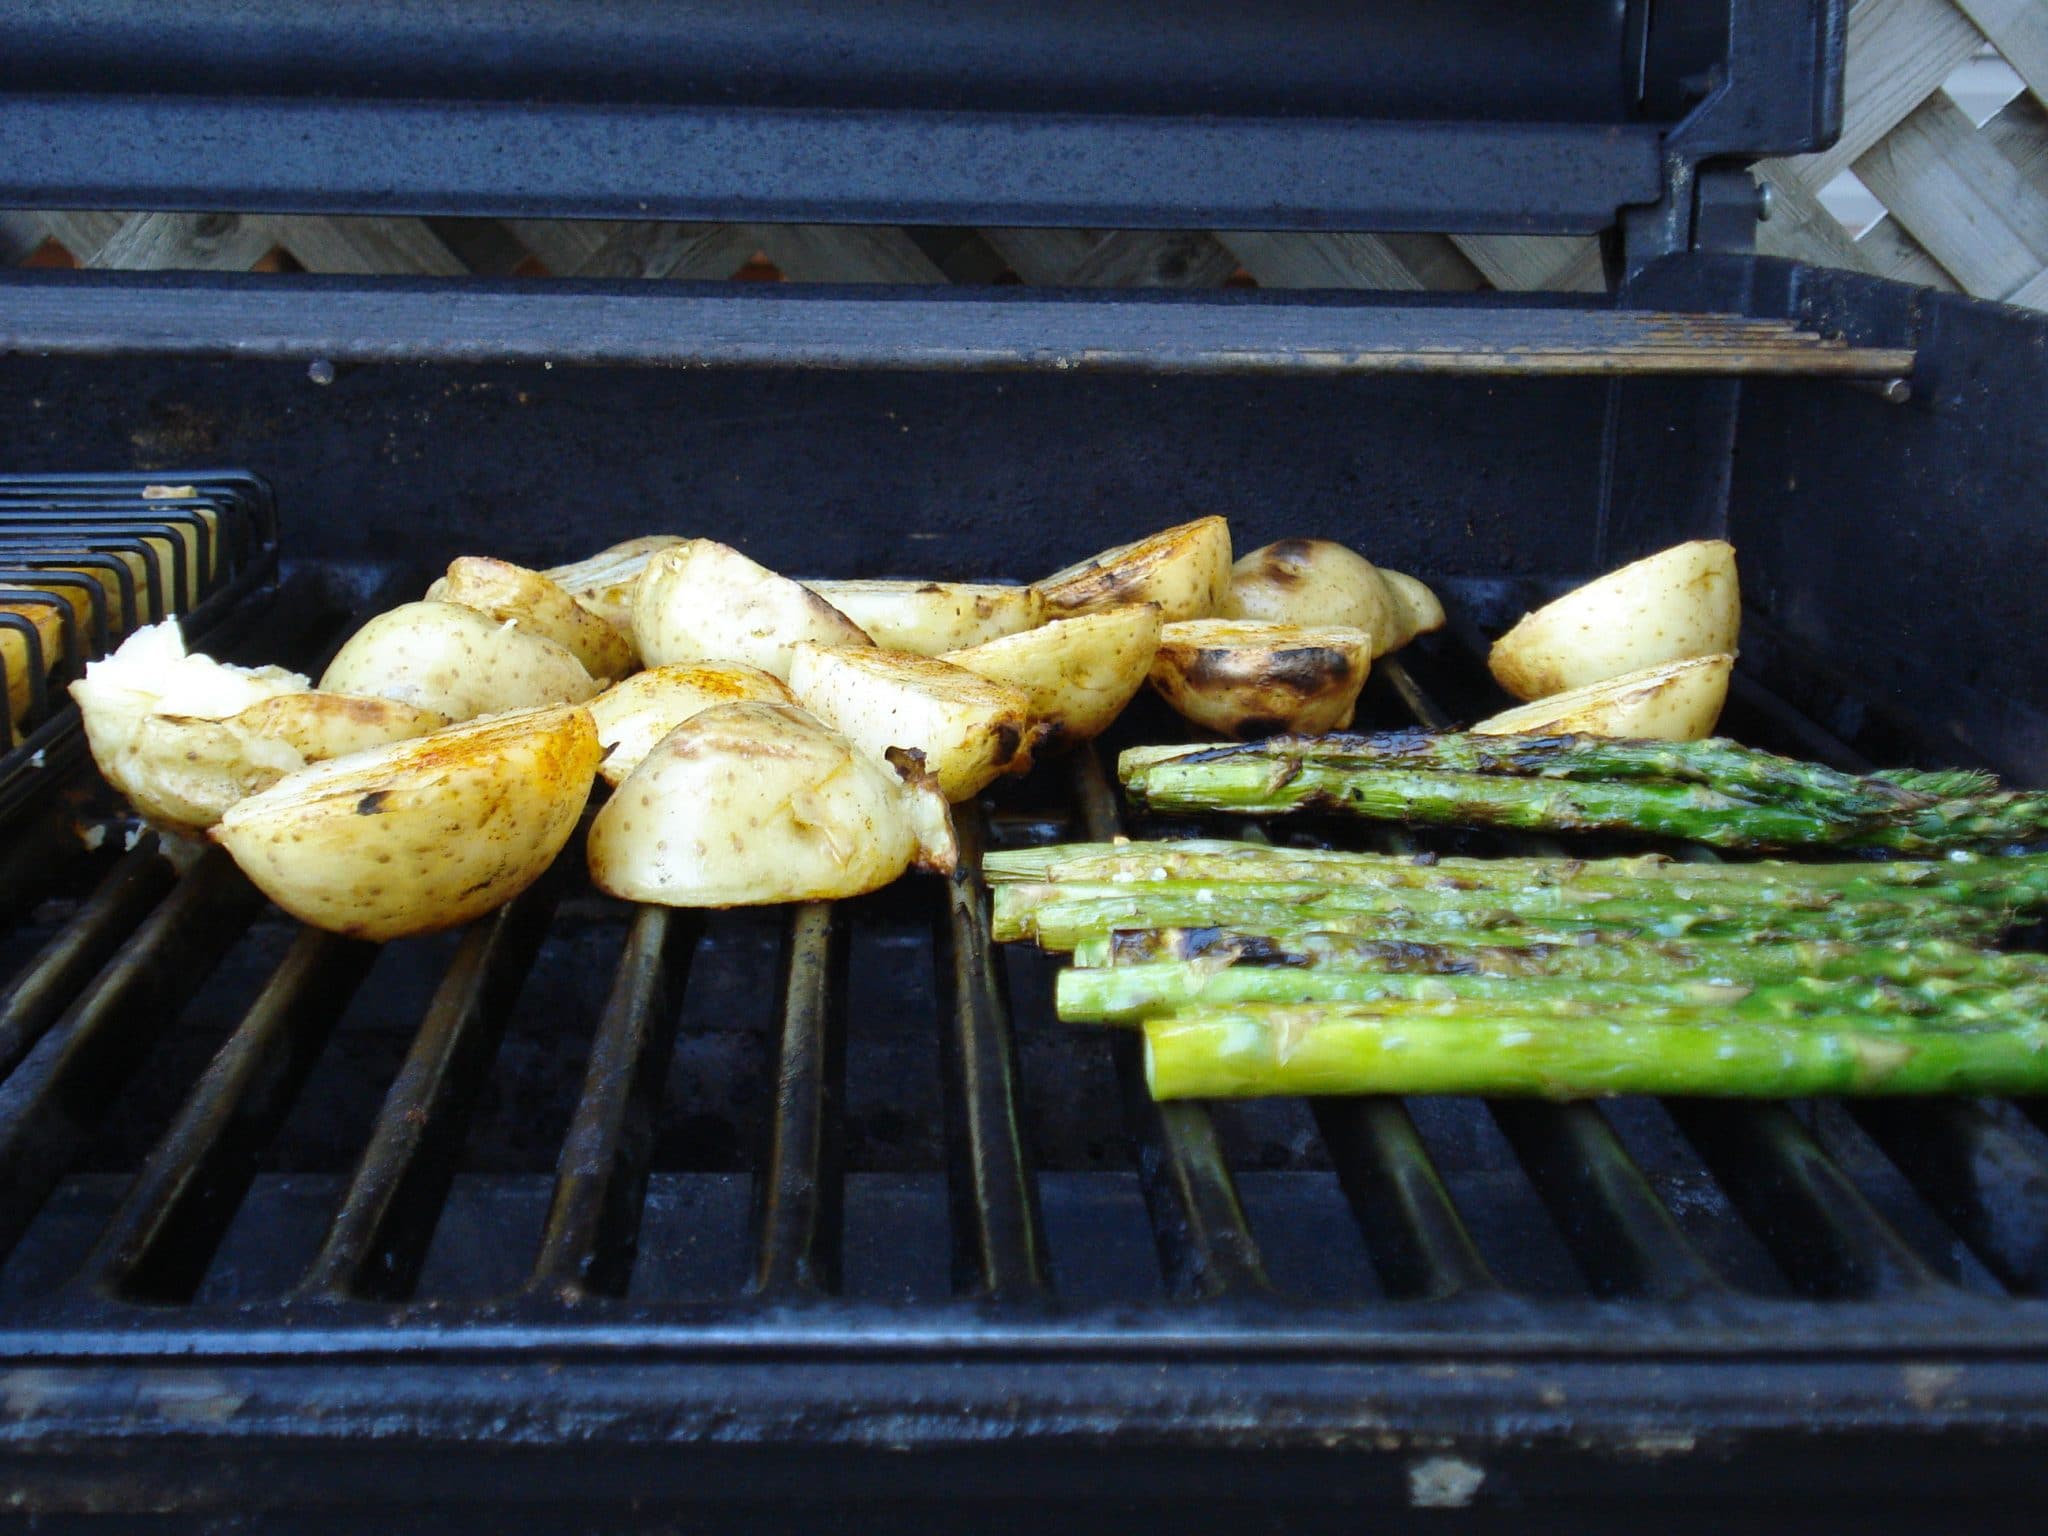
x,y
1359,1048
1127,993
1060,916
1292,773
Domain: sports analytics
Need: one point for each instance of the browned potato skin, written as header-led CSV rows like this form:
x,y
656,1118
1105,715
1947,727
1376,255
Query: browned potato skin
x,y
1300,680
322,725
633,715
512,593
1184,569
427,834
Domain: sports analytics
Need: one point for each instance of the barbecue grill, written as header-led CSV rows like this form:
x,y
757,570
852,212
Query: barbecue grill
x,y
596,1216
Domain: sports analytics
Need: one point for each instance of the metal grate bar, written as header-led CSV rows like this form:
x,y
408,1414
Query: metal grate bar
x,y
1198,1223
1805,1209
1980,1174
164,1234
800,1196
593,1223
1418,1241
70,1079
378,1239
49,982
998,1233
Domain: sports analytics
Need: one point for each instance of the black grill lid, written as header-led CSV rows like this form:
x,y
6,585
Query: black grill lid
x,y
1446,115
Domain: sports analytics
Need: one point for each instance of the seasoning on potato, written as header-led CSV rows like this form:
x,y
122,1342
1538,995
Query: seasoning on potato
x,y
705,601
633,715
1679,603
513,594
1184,569
1078,673
968,728
456,662
1674,701
932,617
604,583
750,803
1246,678
423,834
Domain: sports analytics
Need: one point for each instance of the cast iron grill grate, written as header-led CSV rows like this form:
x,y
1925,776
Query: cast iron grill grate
x,y
578,1125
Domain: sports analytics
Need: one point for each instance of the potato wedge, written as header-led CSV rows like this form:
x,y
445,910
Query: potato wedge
x,y
422,834
1415,608
932,617
1678,603
456,662
1245,678
51,626
1184,569
705,601
604,584
513,594
750,803
633,715
1078,673
968,728
1312,581
1673,701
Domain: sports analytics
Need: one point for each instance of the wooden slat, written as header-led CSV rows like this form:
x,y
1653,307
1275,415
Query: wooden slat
x,y
2018,29
2019,131
606,248
1900,51
2033,295
83,233
1548,263
1969,205
1892,252
1154,259
818,253
211,242
1042,257
364,246
21,236
1316,260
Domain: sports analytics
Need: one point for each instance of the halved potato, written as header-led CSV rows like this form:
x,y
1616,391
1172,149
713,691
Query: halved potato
x,y
633,715
1184,569
604,584
421,834
456,662
1078,673
750,803
705,601
184,737
931,617
968,728
1679,603
1245,678
1415,607
1312,581
1674,701
511,593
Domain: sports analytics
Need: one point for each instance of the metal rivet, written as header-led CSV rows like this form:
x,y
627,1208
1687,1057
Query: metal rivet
x,y
320,371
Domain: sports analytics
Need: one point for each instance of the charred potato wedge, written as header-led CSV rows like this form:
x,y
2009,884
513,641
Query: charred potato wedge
x,y
1679,603
604,584
457,662
1184,569
704,601
751,803
1245,679
1313,582
1677,701
633,715
932,617
1078,673
513,594
968,728
422,834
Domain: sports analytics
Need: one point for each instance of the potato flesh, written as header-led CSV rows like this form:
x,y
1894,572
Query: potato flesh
x,y
969,729
422,834
456,662
1313,582
1415,608
1184,569
1676,701
1078,674
1679,603
752,803
932,617
1245,678
633,715
704,601
512,594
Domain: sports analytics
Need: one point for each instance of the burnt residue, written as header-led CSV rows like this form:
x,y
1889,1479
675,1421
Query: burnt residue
x,y
1008,739
373,802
